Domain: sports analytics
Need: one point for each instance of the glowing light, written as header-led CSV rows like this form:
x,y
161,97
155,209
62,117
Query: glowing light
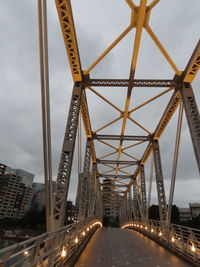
x,y
141,226
160,234
145,227
173,239
76,240
26,253
83,233
88,229
64,252
193,248
152,230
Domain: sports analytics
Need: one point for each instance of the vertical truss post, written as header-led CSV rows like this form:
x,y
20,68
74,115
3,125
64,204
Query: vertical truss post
x,y
78,191
65,166
93,187
160,182
143,194
98,202
193,118
135,201
85,178
129,205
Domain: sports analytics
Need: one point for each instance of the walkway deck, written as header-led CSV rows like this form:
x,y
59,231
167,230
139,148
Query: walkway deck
x,y
115,247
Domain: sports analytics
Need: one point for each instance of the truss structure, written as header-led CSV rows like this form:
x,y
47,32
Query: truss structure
x,y
128,184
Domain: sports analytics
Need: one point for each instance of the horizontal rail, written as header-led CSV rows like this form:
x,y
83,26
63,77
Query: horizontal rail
x,y
182,240
50,249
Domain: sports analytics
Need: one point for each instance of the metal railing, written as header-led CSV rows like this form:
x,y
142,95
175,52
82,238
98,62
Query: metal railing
x,y
51,248
183,240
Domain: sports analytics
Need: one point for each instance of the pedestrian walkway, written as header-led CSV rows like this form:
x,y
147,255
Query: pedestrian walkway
x,y
114,247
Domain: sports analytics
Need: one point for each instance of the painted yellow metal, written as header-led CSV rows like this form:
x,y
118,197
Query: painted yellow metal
x,y
108,124
150,100
139,125
116,41
69,35
162,49
193,66
105,99
139,19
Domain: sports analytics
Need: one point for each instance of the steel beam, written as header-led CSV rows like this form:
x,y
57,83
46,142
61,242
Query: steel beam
x,y
114,176
135,201
193,65
65,165
193,118
93,189
85,180
168,113
127,83
159,182
69,35
120,162
143,193
120,137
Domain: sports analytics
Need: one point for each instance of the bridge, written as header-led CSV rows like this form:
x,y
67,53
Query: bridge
x,y
113,183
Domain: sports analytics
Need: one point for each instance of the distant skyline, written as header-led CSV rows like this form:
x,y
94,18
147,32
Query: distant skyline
x,y
98,22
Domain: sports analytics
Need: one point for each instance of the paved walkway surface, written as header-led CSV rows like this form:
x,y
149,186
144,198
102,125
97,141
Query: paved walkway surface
x,y
115,247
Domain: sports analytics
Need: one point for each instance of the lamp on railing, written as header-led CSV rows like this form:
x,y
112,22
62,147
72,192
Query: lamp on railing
x,y
76,240
160,234
64,252
193,247
173,239
26,253
83,233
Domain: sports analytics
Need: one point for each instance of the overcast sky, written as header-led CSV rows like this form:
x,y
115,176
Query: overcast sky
x,y
98,23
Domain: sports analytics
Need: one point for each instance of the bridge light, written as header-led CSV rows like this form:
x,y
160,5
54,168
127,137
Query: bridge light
x,y
141,226
145,227
160,234
193,248
152,230
64,252
88,229
83,233
76,240
173,239
26,253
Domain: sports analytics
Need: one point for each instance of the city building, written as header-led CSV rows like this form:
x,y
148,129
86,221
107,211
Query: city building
x,y
109,198
38,196
15,192
195,209
3,169
184,214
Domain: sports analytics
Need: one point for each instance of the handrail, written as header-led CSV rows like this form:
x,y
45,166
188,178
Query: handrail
x,y
181,239
51,248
